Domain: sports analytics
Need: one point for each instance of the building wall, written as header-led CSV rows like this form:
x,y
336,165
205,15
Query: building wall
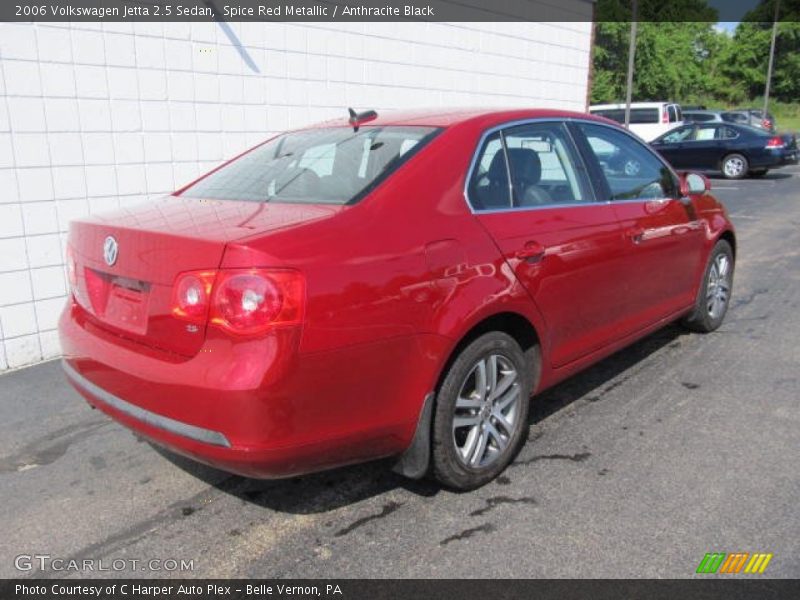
x,y
93,116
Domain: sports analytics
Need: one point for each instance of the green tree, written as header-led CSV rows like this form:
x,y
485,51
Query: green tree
x,y
750,52
677,50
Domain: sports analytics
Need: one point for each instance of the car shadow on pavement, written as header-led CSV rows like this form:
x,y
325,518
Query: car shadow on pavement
x,y
771,176
308,494
323,492
601,378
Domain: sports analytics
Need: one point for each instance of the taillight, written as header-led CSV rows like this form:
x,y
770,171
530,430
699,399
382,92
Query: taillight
x,y
766,124
664,115
72,270
191,296
776,142
240,301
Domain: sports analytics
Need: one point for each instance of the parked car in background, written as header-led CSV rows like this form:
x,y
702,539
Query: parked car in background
x,y
750,116
392,285
648,119
702,116
734,150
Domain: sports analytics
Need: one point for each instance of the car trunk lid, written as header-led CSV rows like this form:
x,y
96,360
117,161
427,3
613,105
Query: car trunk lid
x,y
126,261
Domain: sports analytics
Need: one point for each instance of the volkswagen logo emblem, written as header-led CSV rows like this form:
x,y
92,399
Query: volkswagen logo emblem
x,y
110,251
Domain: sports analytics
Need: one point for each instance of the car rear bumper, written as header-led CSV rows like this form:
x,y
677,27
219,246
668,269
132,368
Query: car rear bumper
x,y
242,406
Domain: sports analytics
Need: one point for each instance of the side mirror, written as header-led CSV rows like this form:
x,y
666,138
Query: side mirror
x,y
694,183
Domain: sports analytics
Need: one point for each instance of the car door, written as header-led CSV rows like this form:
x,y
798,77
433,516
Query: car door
x,y
563,246
705,148
673,146
662,232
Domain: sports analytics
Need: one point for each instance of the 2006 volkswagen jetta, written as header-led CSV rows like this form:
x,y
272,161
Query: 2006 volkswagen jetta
x,y
387,286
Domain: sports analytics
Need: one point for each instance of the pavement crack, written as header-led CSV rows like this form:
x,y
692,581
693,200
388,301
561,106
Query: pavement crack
x,y
388,509
745,300
579,457
468,533
138,531
49,448
492,503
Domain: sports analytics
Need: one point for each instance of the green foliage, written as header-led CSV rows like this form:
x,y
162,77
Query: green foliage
x,y
681,56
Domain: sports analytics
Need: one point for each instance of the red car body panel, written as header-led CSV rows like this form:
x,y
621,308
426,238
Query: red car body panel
x,y
393,284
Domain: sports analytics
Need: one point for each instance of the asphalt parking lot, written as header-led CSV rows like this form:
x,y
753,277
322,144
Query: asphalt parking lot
x,y
680,445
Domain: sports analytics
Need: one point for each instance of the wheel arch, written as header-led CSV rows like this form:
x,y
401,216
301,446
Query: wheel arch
x,y
512,323
415,461
729,237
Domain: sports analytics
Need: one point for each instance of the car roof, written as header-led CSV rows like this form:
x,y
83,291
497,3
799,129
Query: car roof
x,y
702,111
483,117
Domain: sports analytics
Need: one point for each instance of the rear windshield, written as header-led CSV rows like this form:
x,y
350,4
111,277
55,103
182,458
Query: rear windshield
x,y
638,115
332,166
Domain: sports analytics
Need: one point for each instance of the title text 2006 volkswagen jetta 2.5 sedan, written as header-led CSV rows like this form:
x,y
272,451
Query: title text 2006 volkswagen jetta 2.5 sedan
x,y
387,286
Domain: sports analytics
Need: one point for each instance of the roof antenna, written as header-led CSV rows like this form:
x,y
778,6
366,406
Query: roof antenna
x,y
357,118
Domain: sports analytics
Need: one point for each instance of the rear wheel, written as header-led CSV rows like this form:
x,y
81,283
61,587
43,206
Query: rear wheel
x,y
715,291
735,166
481,413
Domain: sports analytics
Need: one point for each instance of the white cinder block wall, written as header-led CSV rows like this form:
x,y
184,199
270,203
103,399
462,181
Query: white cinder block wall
x,y
93,116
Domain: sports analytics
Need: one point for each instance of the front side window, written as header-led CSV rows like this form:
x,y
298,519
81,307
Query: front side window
x,y
333,166
631,170
679,135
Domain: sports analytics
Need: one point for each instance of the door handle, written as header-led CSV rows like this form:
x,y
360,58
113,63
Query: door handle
x,y
531,252
636,235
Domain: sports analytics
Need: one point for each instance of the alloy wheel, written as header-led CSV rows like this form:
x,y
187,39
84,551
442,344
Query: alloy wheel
x,y
486,411
719,286
734,167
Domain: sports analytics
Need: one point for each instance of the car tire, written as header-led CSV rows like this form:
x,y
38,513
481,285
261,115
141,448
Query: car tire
x,y
758,173
713,298
481,413
735,166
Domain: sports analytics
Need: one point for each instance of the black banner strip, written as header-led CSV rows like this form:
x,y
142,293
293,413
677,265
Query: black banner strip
x,y
711,588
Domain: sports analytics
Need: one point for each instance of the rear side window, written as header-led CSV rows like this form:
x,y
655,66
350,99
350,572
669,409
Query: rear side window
x,y
631,170
734,117
489,187
728,133
332,165
542,164
673,113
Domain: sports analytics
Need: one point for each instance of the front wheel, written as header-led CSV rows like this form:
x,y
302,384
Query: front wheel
x,y
715,291
735,166
481,413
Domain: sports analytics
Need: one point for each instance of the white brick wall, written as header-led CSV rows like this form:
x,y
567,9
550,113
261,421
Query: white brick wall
x,y
93,116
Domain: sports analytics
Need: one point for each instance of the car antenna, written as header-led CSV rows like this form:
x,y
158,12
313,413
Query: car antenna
x,y
357,118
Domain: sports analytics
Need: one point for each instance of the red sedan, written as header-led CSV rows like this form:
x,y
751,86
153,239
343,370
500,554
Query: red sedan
x,y
387,286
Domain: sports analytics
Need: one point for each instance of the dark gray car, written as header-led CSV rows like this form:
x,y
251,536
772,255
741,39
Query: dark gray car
x,y
750,116
703,116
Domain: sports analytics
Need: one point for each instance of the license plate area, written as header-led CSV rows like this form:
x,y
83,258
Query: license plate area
x,y
120,302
